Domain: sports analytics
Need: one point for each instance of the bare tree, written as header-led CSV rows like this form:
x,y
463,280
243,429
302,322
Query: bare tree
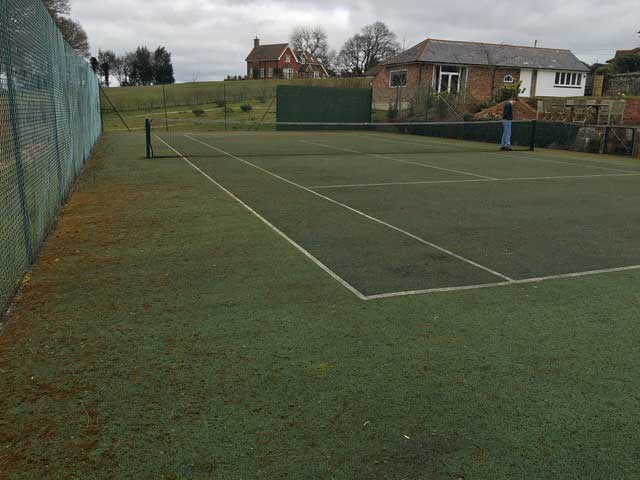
x,y
368,48
71,30
75,35
57,8
311,39
490,52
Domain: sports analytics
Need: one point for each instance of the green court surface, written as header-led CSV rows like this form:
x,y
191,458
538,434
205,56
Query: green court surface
x,y
265,315
449,214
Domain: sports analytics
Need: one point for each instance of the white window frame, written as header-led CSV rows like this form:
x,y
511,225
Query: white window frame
x,y
303,60
270,72
567,80
262,73
287,58
449,74
406,78
288,73
316,74
508,78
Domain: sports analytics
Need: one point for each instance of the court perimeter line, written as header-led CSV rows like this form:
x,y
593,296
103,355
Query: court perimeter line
x,y
298,247
444,141
424,165
436,182
560,162
369,217
523,281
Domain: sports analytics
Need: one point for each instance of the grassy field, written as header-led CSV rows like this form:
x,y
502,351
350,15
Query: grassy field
x,y
168,333
137,103
187,94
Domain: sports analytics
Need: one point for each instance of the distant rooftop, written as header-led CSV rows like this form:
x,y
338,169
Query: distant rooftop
x,y
474,53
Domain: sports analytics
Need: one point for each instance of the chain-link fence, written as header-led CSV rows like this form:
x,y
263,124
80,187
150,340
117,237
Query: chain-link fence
x,y
49,123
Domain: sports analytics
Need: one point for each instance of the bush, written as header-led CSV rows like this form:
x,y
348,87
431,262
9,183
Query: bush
x,y
220,103
198,112
246,107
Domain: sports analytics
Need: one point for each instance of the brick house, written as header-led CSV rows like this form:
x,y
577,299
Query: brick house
x,y
468,69
281,61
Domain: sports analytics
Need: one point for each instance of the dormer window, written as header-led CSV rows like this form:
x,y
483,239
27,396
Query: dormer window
x,y
303,60
508,79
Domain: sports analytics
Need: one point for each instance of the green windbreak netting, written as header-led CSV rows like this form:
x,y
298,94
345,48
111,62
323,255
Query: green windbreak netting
x,y
49,123
319,104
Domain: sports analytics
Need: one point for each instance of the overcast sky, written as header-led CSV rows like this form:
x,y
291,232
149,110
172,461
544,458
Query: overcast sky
x,y
210,39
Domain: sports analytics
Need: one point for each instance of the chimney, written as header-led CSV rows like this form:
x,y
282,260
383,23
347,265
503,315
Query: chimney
x,y
256,42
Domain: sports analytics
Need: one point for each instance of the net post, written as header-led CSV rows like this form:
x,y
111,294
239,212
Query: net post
x,y
534,127
147,129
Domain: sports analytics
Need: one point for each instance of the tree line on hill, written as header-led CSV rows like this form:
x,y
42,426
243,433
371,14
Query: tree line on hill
x,y
139,67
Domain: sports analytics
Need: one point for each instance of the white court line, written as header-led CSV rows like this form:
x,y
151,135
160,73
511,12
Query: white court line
x,y
560,162
424,165
436,182
443,142
503,284
369,217
333,275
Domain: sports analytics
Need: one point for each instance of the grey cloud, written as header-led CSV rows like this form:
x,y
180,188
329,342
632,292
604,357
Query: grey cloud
x,y
212,37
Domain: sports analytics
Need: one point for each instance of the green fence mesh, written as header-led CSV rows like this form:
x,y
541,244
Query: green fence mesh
x,y
49,123
319,104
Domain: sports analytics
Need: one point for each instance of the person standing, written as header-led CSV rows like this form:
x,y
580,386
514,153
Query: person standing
x,y
507,118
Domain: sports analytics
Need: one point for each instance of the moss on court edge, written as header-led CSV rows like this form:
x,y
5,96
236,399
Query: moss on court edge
x,y
166,333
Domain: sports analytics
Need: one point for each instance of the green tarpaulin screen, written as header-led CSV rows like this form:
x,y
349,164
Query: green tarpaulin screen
x,y
319,104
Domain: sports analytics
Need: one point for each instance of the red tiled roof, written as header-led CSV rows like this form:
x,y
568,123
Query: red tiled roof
x,y
266,52
620,53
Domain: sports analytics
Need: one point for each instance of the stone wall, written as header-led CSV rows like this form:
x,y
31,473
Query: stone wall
x,y
626,83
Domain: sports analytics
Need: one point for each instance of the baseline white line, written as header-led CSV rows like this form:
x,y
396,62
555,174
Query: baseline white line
x,y
452,145
436,182
298,247
443,142
424,165
523,281
369,217
426,182
578,158
560,162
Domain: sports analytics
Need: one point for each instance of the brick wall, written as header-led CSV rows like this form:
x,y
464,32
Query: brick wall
x,y
521,111
632,111
418,80
479,84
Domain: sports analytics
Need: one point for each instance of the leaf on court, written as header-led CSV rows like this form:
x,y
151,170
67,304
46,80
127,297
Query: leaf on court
x,y
325,368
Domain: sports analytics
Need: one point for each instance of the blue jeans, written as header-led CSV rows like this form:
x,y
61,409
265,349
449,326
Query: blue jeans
x,y
506,133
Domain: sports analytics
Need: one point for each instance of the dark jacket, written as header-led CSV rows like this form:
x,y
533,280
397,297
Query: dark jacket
x,y
507,113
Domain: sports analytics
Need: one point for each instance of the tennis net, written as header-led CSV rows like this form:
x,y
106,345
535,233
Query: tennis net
x,y
199,137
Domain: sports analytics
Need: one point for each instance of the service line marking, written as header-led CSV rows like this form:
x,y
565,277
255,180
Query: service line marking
x,y
424,165
297,246
436,182
369,217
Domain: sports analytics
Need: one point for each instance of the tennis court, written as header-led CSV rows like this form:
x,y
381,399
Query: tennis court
x,y
394,214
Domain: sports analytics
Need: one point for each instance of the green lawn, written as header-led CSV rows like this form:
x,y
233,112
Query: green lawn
x,y
167,332
137,103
